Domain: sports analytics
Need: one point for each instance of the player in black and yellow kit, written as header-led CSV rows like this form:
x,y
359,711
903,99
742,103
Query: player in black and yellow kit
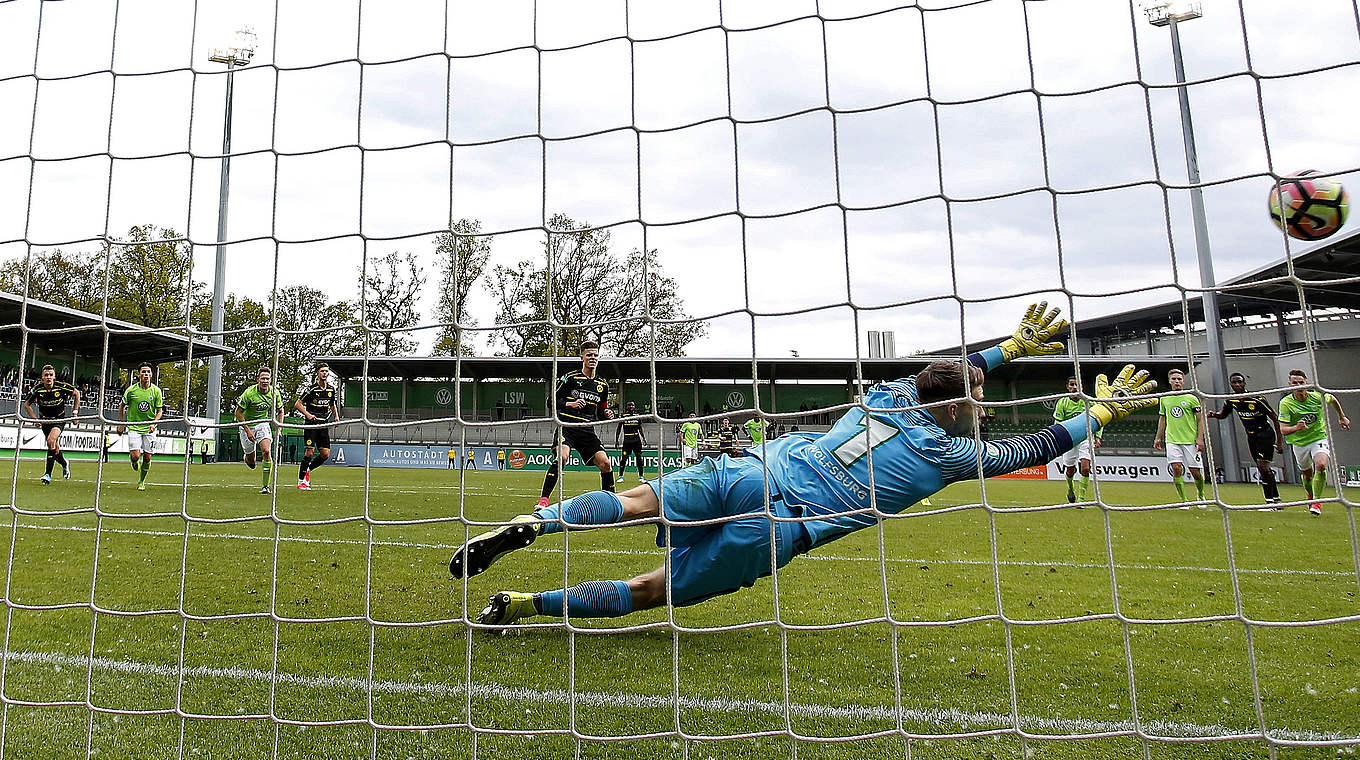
x,y
581,397
630,430
317,405
1262,426
727,438
51,397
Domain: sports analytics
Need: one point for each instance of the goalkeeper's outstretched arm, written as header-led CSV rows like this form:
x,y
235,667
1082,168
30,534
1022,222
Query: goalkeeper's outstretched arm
x,y
961,460
1034,337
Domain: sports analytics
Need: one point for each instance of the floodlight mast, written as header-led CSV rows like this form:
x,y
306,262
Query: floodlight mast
x,y
234,57
1170,14
1174,11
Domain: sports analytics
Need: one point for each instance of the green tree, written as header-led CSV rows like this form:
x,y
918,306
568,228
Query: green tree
x,y
462,255
311,326
598,294
391,290
150,278
73,279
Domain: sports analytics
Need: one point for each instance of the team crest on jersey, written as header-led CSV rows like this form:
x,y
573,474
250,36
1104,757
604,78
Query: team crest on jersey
x,y
1177,412
144,406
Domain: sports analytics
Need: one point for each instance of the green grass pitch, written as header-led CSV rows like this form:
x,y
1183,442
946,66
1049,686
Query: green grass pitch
x,y
325,625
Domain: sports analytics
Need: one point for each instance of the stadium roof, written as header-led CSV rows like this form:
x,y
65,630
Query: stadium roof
x,y
54,327
690,368
1330,271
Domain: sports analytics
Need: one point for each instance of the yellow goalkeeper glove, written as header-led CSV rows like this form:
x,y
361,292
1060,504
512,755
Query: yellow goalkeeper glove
x,y
1034,336
1114,402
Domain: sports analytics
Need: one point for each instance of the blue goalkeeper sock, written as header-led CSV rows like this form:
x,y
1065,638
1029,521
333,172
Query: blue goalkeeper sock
x,y
594,508
589,599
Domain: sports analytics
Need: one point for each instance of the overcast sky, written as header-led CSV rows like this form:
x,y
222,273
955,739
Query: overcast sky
x,y
794,156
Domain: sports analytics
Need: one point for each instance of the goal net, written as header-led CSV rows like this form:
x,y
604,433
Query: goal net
x,y
442,200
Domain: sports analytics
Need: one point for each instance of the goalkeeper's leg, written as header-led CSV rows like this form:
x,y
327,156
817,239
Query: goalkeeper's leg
x,y
588,510
719,561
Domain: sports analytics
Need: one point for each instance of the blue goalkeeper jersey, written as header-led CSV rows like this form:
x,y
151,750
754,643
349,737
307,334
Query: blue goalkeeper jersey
x,y
913,457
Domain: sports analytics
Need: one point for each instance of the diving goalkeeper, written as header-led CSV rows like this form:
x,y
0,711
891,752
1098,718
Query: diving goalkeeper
x,y
918,431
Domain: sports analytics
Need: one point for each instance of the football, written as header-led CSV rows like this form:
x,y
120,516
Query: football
x,y
1308,206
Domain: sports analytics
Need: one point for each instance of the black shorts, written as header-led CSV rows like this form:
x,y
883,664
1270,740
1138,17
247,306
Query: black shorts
x,y
584,440
632,447
319,438
1262,446
48,427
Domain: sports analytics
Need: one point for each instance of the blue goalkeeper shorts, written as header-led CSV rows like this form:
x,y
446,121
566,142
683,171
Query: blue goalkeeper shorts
x,y
721,557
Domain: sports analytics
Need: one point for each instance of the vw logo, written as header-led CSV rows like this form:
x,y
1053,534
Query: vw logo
x,y
443,397
736,400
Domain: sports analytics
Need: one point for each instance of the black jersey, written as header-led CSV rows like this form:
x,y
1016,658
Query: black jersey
x,y
51,401
318,400
631,430
575,386
727,438
1253,413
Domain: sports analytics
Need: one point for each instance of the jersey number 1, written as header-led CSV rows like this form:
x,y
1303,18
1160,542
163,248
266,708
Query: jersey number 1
x,y
879,432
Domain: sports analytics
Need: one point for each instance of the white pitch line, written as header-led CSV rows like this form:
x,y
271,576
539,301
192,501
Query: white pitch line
x,y
284,483
655,553
1037,724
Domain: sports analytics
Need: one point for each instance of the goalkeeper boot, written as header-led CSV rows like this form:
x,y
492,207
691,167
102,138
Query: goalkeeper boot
x,y
507,607
474,557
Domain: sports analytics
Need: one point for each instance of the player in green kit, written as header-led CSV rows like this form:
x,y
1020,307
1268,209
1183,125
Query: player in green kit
x,y
1303,421
143,405
1078,457
1180,423
259,410
689,440
755,429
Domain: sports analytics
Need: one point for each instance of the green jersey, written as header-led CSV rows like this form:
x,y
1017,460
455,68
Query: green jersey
x,y
756,429
259,406
1182,418
1068,408
689,433
1313,410
143,404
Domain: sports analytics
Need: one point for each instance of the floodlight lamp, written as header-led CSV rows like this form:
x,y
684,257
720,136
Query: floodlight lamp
x,y
1163,13
240,53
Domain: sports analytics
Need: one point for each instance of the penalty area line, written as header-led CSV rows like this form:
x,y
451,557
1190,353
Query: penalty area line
x,y
971,719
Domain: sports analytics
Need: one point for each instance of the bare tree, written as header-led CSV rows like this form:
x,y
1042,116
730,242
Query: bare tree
x,y
595,293
462,255
392,286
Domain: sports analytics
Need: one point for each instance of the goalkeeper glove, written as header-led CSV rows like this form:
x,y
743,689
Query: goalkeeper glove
x,y
1034,336
1113,398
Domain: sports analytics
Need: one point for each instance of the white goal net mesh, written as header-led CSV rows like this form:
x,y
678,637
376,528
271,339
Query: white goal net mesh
x,y
420,190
